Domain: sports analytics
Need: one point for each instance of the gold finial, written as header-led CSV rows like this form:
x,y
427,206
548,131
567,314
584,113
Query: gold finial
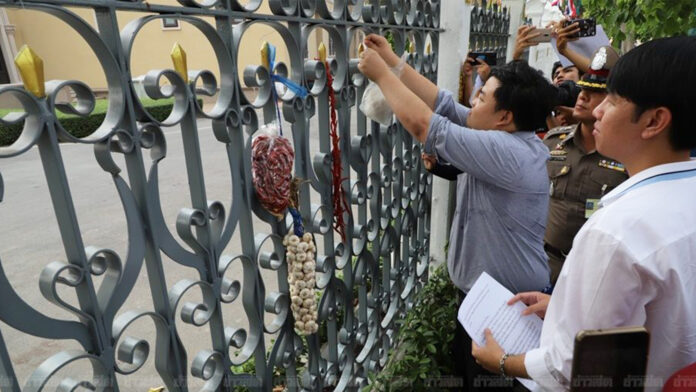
x,y
361,49
411,47
156,389
428,49
265,50
179,59
30,67
322,52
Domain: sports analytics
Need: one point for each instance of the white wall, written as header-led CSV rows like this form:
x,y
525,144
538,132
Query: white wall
x,y
516,8
541,56
454,19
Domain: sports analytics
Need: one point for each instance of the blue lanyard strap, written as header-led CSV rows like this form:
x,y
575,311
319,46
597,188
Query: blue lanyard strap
x,y
678,175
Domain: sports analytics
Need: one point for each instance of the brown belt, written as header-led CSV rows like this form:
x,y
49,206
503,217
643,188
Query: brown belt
x,y
554,251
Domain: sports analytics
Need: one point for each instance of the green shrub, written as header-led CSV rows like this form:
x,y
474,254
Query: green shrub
x,y
422,351
84,126
248,368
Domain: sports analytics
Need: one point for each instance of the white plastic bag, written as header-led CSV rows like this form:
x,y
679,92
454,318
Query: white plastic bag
x,y
374,105
270,131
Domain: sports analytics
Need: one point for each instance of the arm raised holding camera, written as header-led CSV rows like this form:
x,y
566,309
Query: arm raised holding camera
x,y
526,36
467,82
565,34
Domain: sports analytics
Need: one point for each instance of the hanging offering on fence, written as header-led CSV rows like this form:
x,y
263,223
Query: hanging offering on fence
x,y
300,256
340,203
271,168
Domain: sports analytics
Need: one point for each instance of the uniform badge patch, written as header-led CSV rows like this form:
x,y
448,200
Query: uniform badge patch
x,y
591,206
558,155
613,165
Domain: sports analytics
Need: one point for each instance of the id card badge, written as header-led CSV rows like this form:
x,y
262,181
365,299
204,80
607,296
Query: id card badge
x,y
591,205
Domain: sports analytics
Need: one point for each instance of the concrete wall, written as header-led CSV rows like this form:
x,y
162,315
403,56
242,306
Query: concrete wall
x,y
516,8
454,46
541,56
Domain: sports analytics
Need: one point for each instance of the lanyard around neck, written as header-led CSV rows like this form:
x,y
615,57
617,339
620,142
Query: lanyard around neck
x,y
676,175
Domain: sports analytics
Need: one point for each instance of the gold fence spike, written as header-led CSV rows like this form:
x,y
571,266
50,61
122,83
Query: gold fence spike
x,y
265,50
361,49
411,47
322,52
30,67
179,59
156,389
428,49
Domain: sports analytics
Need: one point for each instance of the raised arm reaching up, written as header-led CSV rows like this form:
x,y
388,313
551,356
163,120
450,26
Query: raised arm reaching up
x,y
421,86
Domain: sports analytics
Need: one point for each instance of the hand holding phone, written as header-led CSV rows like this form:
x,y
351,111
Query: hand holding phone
x,y
588,27
528,36
487,57
566,32
541,35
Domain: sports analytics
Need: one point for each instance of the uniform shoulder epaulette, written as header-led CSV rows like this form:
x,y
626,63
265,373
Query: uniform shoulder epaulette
x,y
560,131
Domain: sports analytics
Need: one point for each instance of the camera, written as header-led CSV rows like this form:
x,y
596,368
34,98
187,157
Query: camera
x,y
568,93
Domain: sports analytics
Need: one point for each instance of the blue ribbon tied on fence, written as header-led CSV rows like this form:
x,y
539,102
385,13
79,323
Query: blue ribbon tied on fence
x,y
297,225
270,52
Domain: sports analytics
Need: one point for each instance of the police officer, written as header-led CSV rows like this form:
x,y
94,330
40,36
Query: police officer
x,y
579,175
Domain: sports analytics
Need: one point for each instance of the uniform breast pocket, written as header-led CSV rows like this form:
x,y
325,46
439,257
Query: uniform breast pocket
x,y
558,176
604,180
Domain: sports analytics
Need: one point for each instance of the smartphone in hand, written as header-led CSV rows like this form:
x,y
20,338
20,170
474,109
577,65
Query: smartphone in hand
x,y
605,359
488,57
544,36
588,27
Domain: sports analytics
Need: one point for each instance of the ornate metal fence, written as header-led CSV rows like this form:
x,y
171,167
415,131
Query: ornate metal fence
x,y
366,283
490,30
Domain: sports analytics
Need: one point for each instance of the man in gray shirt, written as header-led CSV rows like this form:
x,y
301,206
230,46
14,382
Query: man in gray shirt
x,y
502,200
502,194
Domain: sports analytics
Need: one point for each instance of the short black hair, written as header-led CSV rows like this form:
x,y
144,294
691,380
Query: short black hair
x,y
661,73
526,93
556,65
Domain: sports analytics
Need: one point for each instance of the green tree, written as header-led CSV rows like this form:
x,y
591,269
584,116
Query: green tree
x,y
643,19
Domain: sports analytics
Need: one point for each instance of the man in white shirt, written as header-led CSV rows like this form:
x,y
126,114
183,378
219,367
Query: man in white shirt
x,y
634,262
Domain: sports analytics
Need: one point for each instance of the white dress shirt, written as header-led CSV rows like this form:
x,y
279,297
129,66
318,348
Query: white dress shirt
x,y
633,263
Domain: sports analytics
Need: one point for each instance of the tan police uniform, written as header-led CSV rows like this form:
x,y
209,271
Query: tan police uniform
x,y
578,180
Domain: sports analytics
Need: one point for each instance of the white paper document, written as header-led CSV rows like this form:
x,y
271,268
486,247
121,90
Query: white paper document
x,y
485,306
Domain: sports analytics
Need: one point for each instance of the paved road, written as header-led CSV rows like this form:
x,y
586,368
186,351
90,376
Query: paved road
x,y
29,239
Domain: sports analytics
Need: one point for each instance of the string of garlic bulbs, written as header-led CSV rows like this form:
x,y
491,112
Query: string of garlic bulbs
x,y
300,255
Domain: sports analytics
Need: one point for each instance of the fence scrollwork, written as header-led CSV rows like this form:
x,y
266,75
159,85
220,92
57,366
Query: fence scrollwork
x,y
364,284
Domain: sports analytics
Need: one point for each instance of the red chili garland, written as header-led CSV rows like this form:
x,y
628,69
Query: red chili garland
x,y
340,204
271,169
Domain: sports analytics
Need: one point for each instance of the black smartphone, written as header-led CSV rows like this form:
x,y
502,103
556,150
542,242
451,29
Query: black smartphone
x,y
488,57
610,359
588,27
